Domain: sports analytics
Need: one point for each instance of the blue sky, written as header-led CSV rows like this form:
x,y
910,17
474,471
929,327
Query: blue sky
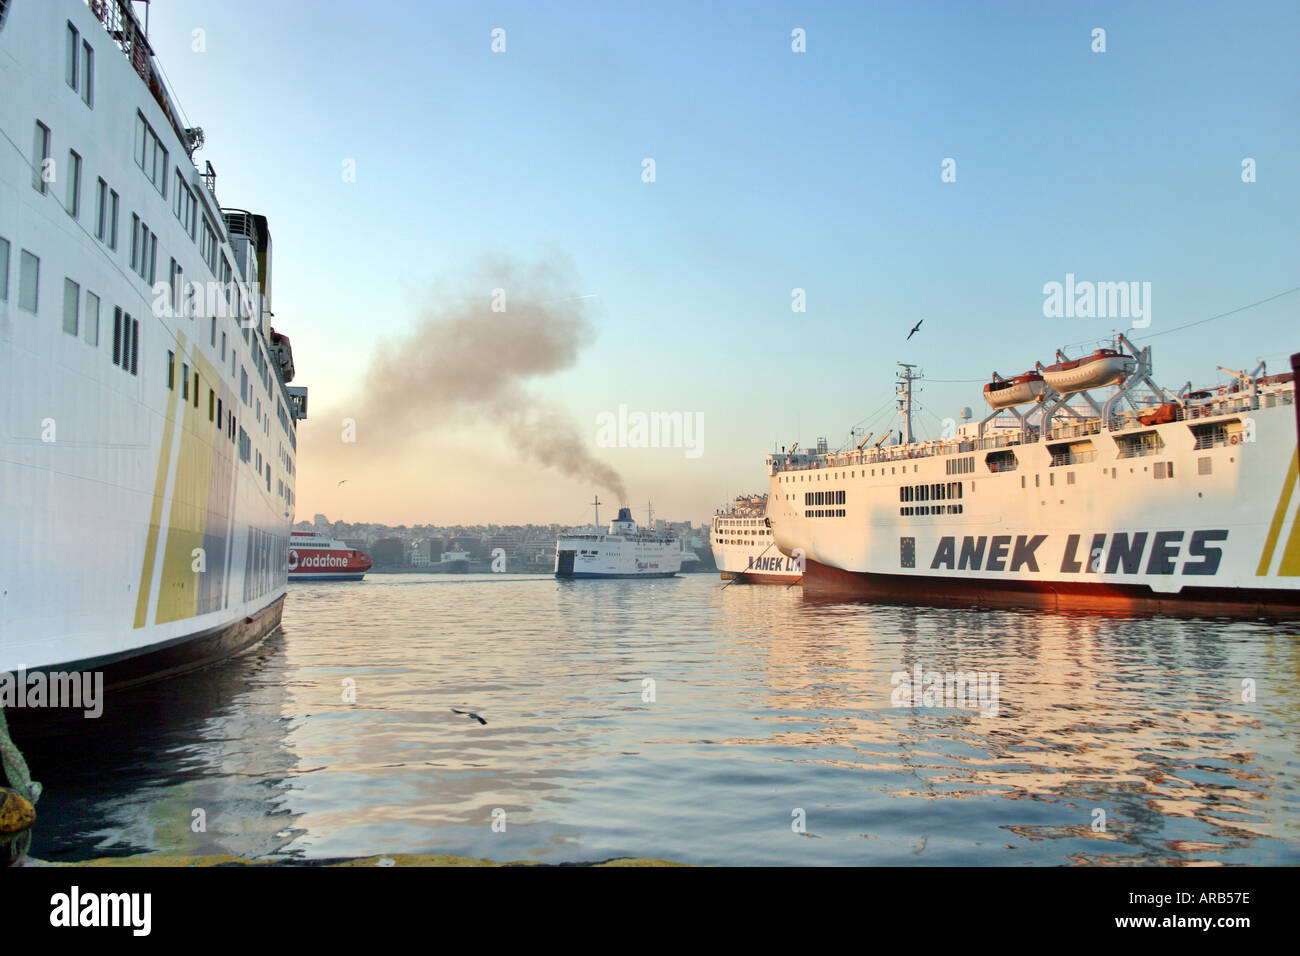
x,y
774,170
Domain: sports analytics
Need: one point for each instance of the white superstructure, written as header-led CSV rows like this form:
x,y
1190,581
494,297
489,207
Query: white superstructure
x,y
623,552
743,547
1138,499
147,436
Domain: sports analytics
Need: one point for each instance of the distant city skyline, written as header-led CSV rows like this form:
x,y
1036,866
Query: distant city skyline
x,y
942,163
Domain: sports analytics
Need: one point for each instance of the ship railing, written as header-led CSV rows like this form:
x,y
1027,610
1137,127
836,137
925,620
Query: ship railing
x,y
1137,450
1073,458
1129,421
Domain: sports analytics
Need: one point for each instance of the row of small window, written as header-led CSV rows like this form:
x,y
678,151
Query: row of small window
x,y
80,66
1051,478
144,250
823,498
106,199
960,466
151,157
1159,470
185,206
192,301
143,242
79,315
216,407
825,513
839,475
930,510
29,277
44,171
150,154
934,492
283,491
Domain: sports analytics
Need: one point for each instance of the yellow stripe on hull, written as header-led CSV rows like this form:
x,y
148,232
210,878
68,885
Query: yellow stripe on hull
x,y
187,542
159,500
1291,553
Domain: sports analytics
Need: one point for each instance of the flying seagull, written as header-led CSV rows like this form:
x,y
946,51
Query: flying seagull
x,y
341,483
469,713
914,328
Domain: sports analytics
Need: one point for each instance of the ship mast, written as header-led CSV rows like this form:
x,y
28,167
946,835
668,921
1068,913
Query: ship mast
x,y
905,379
596,502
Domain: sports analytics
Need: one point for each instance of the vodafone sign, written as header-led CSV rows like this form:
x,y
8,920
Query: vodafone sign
x,y
316,561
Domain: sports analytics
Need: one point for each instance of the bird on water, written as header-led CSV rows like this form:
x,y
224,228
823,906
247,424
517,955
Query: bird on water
x,y
469,713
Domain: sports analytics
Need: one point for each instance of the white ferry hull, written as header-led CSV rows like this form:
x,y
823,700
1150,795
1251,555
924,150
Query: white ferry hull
x,y
743,548
1220,533
624,552
615,559
138,540
578,575
760,563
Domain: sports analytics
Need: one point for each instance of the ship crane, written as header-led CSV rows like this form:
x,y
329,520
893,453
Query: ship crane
x,y
1247,382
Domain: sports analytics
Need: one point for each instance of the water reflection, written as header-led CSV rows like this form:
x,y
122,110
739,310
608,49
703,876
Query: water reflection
x,y
1141,718
682,719
130,781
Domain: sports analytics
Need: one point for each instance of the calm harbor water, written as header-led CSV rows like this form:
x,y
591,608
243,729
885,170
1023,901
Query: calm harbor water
x,y
766,708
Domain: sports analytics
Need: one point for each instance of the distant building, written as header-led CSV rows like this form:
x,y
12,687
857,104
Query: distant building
x,y
507,542
389,553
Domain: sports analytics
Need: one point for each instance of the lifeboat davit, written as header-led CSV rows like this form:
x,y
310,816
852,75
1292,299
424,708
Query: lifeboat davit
x,y
1006,392
1102,367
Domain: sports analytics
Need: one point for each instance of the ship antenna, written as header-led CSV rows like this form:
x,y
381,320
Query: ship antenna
x,y
905,379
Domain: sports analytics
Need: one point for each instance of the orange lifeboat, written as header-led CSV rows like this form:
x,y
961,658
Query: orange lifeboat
x,y
1160,415
1006,392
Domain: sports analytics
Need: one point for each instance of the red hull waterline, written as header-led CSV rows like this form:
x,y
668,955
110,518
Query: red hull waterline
x,y
820,580
750,577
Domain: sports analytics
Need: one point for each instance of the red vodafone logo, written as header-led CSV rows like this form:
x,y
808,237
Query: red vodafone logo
x,y
317,561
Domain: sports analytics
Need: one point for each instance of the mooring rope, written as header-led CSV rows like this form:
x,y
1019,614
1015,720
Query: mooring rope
x,y
771,544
